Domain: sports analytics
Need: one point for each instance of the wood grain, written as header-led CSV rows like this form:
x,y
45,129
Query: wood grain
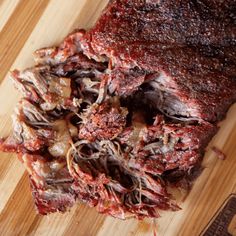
x,y
26,25
17,30
6,9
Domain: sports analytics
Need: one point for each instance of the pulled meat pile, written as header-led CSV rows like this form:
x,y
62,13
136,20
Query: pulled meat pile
x,y
118,116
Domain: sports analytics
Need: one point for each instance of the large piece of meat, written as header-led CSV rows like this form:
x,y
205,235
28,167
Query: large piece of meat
x,y
189,44
119,116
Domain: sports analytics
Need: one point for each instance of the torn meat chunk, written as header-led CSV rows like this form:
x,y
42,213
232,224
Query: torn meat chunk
x,y
104,179
50,183
34,130
56,55
103,121
68,57
40,86
31,127
56,199
127,175
165,145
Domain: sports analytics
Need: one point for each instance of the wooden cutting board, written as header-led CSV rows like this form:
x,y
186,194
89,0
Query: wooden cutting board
x,y
26,25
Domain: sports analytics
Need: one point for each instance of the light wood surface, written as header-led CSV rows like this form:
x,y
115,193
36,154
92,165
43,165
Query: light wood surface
x,y
26,25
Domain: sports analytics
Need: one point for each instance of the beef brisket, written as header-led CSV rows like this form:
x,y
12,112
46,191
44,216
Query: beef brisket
x,y
185,42
118,116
